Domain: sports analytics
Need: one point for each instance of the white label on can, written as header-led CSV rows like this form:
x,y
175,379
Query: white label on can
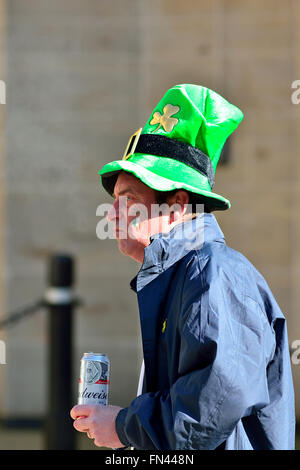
x,y
93,383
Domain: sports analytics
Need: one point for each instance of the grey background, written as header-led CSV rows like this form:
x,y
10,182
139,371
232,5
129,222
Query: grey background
x,y
81,77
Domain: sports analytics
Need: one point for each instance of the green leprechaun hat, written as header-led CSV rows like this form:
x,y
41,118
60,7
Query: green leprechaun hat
x,y
180,145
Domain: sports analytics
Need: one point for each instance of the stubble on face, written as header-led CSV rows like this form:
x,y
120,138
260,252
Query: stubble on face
x,y
132,229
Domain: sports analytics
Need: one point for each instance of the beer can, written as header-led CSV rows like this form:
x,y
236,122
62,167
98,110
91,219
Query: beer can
x,y
94,379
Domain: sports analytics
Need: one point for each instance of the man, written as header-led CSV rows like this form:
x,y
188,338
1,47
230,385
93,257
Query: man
x,y
216,356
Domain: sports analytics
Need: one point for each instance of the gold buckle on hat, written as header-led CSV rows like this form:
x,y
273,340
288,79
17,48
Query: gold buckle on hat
x,y
132,143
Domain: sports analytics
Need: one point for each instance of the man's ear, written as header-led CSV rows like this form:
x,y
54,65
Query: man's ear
x,y
178,204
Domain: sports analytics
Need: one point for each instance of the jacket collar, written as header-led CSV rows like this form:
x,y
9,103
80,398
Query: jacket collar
x,y
166,249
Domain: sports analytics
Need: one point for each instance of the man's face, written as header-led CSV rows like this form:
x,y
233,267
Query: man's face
x,y
131,215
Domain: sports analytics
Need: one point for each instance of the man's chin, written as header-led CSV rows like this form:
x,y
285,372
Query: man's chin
x,y
125,246
131,248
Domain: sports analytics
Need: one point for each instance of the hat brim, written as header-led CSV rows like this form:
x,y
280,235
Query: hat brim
x,y
163,174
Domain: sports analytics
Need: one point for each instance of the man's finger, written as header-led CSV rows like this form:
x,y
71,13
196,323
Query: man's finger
x,y
82,424
80,410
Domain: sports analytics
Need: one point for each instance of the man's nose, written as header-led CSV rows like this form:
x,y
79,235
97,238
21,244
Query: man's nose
x,y
112,214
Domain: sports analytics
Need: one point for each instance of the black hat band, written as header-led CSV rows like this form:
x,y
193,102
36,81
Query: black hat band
x,y
161,146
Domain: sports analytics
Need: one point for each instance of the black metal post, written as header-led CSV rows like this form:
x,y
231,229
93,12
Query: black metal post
x,y
60,433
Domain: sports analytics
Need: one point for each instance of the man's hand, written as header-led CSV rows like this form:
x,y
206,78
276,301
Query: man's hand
x,y
99,422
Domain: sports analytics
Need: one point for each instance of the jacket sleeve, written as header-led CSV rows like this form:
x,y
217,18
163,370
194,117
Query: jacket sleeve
x,y
226,343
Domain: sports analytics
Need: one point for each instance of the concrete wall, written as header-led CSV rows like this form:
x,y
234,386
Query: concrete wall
x,y
72,100
3,190
84,75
